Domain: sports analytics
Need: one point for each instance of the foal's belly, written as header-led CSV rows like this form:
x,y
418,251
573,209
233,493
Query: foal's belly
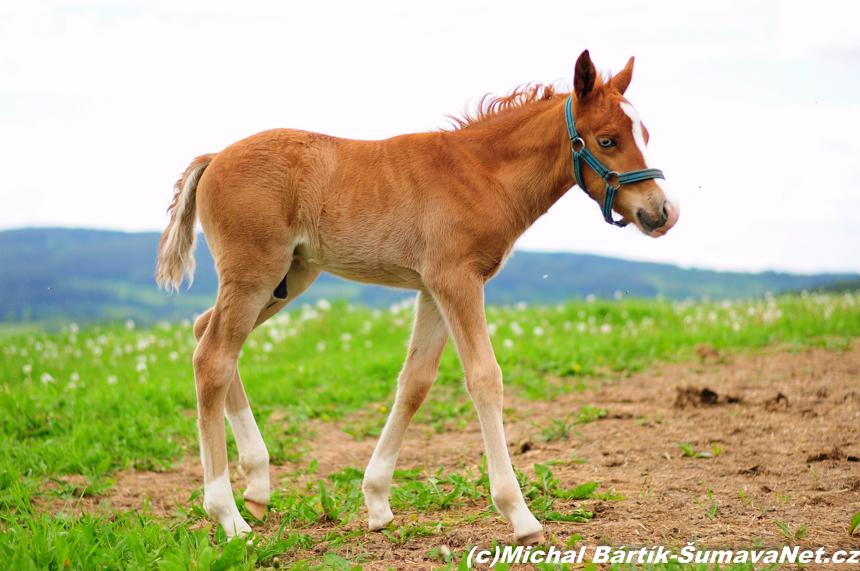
x,y
375,272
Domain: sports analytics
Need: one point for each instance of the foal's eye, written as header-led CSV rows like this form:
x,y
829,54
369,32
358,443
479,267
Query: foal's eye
x,y
606,143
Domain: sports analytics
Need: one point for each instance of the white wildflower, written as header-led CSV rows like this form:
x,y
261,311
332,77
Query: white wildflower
x,y
140,367
46,378
129,324
321,346
112,380
323,304
508,344
538,331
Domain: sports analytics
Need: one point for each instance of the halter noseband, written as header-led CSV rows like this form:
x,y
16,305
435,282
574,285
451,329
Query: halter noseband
x,y
602,171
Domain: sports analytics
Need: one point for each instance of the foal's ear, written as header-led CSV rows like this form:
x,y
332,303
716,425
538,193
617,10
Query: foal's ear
x,y
584,76
621,80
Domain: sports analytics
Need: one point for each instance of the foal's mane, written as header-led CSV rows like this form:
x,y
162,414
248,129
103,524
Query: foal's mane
x,y
492,106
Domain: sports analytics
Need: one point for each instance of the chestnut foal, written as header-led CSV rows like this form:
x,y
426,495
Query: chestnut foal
x,y
435,212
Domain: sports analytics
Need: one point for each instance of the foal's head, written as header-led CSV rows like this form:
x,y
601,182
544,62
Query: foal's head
x,y
612,131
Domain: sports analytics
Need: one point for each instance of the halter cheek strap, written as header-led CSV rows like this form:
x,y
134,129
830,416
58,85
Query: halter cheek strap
x,y
603,172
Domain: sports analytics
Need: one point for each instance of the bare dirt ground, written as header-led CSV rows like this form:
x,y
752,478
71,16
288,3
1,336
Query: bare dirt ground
x,y
788,424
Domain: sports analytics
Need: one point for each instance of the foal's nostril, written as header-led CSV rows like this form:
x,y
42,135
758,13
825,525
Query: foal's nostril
x,y
665,214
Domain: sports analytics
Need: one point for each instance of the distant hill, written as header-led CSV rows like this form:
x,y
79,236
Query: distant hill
x,y
51,274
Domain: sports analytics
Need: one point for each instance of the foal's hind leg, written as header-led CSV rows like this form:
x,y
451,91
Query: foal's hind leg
x,y
215,368
253,455
429,336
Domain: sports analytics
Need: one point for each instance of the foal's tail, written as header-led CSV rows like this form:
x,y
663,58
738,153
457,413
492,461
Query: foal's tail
x,y
176,249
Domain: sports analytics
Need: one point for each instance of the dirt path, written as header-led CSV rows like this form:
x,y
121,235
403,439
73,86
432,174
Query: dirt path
x,y
788,424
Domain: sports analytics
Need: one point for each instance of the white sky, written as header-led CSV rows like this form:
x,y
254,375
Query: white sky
x,y
753,107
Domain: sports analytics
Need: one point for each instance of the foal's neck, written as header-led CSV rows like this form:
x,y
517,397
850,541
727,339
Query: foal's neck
x,y
528,151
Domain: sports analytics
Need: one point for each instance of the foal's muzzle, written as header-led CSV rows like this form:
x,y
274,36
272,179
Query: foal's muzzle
x,y
658,223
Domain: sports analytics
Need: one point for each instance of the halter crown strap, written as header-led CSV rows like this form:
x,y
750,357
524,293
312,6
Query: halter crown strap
x,y
603,172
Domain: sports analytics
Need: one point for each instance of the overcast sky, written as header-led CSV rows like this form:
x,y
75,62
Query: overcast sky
x,y
753,107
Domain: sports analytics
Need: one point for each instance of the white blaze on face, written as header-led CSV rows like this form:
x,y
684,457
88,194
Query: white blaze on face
x,y
639,137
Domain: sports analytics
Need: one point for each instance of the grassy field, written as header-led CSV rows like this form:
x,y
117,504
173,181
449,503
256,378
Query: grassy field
x,y
115,397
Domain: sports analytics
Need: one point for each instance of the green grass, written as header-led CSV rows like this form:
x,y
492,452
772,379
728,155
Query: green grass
x,y
112,397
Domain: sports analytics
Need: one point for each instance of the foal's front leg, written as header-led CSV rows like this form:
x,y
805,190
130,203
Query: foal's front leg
x,y
429,336
461,298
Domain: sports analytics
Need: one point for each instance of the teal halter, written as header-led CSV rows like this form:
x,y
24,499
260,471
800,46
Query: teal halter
x,y
602,171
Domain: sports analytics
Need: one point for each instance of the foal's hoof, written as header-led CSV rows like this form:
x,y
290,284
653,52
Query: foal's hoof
x,y
533,539
256,510
381,520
